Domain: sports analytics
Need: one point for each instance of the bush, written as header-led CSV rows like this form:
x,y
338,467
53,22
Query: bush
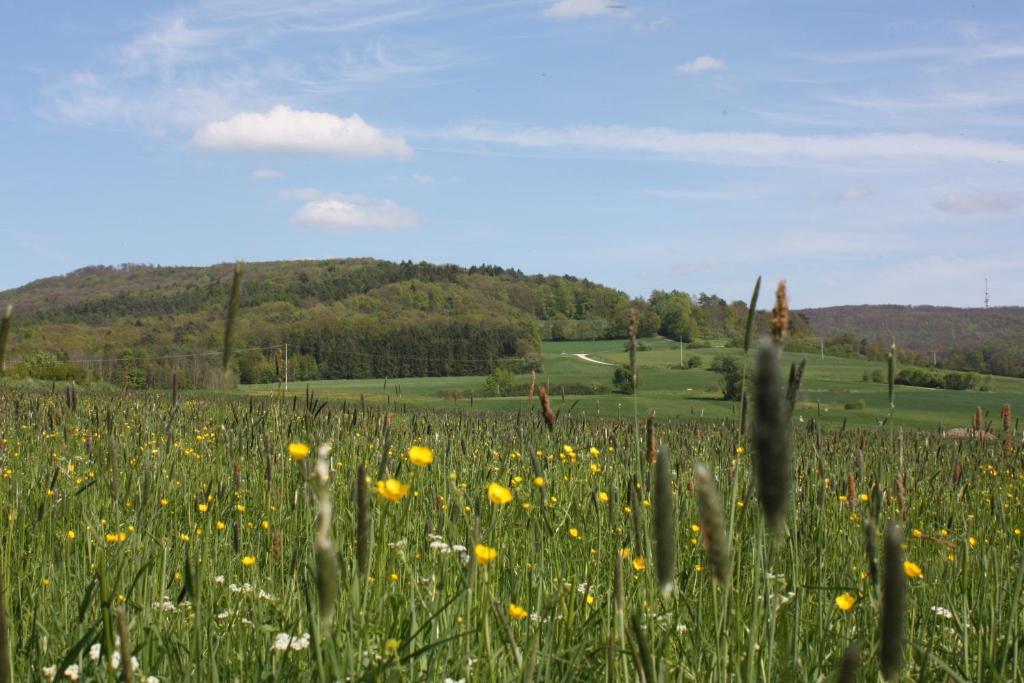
x,y
732,376
854,405
498,383
622,380
694,362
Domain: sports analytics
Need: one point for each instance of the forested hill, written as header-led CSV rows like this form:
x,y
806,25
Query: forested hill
x,y
980,339
341,318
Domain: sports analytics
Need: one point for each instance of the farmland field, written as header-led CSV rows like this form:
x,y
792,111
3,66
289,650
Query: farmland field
x,y
430,541
829,385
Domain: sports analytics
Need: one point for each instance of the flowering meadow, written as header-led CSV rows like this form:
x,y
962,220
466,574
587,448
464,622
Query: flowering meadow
x,y
217,539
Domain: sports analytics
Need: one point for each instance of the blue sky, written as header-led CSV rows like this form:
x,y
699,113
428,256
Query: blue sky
x,y
868,152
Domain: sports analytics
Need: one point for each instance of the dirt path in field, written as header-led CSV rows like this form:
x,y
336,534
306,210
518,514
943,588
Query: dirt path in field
x,y
583,356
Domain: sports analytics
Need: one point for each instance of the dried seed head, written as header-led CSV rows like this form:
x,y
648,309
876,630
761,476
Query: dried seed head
x,y
652,441
780,314
894,589
545,409
771,436
712,522
664,524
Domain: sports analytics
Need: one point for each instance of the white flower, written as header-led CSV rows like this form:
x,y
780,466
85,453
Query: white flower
x,y
458,548
454,680
263,595
942,612
115,660
225,614
135,663
681,628
94,652
49,672
300,643
397,544
281,641
152,679
219,579
440,545
71,672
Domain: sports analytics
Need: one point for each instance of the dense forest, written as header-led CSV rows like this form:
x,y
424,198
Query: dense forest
x,y
137,325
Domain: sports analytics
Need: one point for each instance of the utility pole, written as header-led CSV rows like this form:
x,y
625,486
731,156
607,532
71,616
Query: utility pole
x,y
822,348
680,350
986,292
286,366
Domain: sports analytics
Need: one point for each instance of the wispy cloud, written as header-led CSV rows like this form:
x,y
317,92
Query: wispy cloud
x,y
700,65
739,146
349,213
854,194
267,174
283,129
572,9
969,203
204,61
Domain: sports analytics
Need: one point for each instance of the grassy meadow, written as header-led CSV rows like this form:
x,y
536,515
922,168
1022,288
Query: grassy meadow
x,y
266,538
830,383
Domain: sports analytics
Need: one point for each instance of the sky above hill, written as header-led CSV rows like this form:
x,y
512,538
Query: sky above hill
x,y
868,152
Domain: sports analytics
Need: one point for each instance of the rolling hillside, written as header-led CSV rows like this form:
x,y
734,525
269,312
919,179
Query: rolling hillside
x,y
978,339
342,318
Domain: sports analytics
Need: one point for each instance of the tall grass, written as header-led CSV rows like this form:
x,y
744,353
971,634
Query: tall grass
x,y
223,550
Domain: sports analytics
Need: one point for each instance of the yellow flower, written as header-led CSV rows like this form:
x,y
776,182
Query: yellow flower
x,y
498,494
917,533
602,497
845,602
202,507
392,644
421,456
516,612
973,541
183,537
220,525
624,552
298,451
248,561
639,564
538,481
392,489
740,450
864,498
912,570
484,553
594,451
574,532
163,502
71,534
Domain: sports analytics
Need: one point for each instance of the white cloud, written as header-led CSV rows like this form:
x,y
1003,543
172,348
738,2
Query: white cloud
x,y
424,179
701,64
267,174
172,42
301,193
854,194
283,129
731,147
976,202
571,9
349,213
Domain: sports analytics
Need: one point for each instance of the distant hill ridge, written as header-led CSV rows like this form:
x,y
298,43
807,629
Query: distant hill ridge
x,y
941,329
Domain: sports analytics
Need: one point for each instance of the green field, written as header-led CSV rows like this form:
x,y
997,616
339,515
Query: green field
x,y
829,384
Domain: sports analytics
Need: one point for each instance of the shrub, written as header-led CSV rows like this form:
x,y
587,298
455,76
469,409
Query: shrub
x,y
732,376
622,380
854,405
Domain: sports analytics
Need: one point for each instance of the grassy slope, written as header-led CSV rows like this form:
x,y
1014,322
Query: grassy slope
x,y
829,384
